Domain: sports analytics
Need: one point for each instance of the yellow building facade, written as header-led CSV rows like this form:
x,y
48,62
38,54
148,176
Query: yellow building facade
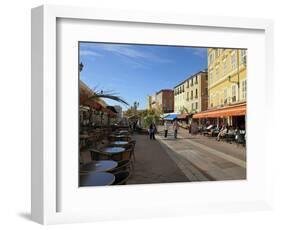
x,y
180,101
191,95
227,77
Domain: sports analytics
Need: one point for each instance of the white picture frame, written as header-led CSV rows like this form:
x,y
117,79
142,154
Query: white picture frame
x,y
45,163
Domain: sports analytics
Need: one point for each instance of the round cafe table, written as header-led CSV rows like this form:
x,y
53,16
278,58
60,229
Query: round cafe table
x,y
113,150
122,132
118,135
99,166
119,143
96,179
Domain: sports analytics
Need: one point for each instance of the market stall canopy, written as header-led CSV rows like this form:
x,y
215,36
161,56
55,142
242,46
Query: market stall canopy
x,y
233,110
171,117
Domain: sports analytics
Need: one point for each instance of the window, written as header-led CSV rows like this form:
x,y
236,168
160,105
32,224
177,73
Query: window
x,y
233,60
244,89
211,58
192,82
192,106
191,94
196,93
217,53
217,99
211,100
196,80
225,96
187,96
243,57
224,67
233,93
206,91
217,73
196,105
187,83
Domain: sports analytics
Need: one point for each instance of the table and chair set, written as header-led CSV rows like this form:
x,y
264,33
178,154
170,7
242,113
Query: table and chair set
x,y
112,160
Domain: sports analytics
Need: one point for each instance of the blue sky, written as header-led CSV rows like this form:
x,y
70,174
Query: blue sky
x,y
136,71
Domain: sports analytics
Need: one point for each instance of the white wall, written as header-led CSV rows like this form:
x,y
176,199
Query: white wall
x,y
15,112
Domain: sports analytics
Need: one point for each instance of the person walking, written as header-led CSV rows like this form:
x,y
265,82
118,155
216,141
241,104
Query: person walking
x,y
151,131
166,127
154,131
176,127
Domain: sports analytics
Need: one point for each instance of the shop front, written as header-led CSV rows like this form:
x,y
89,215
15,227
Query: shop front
x,y
233,115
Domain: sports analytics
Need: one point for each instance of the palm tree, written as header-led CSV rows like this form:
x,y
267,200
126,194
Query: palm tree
x,y
183,110
136,105
97,96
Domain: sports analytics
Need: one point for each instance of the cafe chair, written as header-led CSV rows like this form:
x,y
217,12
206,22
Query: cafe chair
x,y
121,178
124,165
124,161
98,155
133,144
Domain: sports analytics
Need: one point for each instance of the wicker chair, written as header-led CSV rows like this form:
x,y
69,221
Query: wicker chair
x,y
98,155
133,144
122,165
124,161
121,178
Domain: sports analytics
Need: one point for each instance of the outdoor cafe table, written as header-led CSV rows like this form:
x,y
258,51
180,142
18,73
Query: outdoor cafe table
x,y
119,143
96,179
118,135
84,136
122,132
113,150
116,153
99,166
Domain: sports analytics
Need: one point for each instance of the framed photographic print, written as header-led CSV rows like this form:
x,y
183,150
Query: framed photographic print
x,y
138,114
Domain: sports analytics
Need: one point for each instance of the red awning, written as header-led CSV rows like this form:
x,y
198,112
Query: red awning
x,y
234,110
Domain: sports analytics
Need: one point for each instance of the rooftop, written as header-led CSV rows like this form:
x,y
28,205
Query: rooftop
x,y
190,77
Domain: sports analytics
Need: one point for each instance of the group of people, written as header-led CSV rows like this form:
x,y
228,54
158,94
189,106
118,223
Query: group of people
x,y
230,130
175,128
223,130
152,129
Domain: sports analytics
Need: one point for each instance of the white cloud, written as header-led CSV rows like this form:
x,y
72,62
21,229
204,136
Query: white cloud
x,y
131,52
89,53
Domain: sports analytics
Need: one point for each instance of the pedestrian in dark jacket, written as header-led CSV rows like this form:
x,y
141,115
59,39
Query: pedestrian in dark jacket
x,y
152,131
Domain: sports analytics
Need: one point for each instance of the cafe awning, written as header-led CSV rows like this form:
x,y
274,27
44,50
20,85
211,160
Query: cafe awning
x,y
228,111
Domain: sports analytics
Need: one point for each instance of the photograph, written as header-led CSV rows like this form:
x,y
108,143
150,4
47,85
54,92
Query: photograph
x,y
151,114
